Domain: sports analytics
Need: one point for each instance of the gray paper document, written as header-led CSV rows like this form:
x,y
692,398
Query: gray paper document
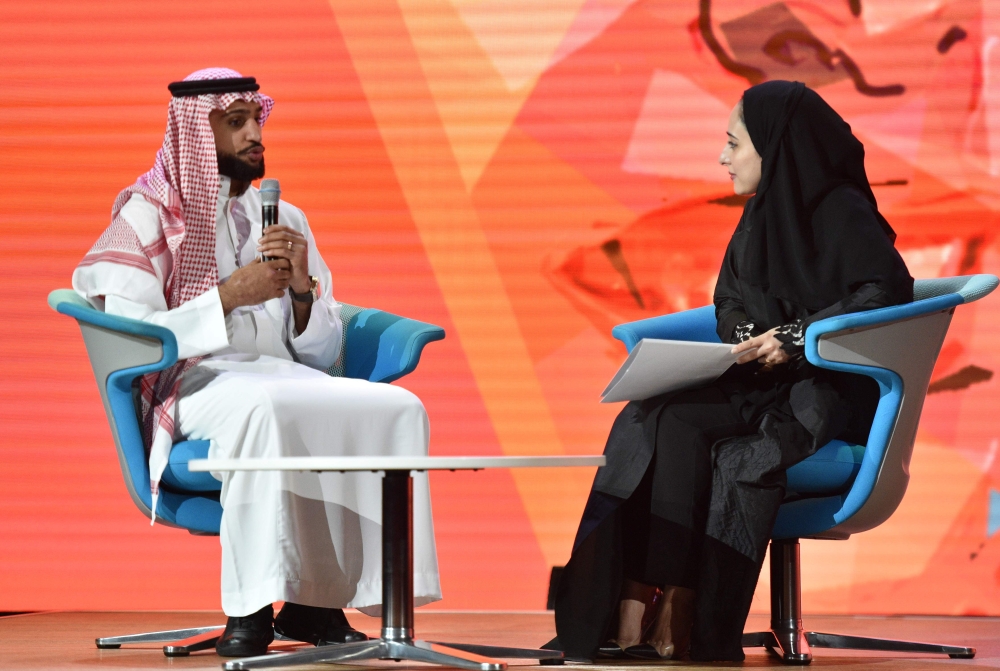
x,y
658,366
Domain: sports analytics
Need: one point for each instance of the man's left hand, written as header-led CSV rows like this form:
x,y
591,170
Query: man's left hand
x,y
764,348
283,242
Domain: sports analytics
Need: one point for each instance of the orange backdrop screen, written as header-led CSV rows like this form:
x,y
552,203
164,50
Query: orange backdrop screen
x,y
526,174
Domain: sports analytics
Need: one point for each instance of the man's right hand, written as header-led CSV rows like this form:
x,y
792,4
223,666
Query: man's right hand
x,y
255,283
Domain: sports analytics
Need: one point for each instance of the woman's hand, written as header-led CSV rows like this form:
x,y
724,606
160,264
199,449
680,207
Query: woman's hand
x,y
764,348
284,242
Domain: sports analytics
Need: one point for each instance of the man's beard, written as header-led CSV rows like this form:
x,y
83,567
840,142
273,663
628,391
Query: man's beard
x,y
233,167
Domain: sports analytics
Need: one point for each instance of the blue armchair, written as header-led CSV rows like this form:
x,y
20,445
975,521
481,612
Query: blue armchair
x,y
845,489
377,346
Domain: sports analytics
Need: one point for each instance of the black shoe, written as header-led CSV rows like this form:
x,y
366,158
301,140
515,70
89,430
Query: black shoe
x,y
646,651
610,650
319,626
247,636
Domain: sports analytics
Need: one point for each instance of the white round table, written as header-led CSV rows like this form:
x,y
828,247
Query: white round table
x,y
397,641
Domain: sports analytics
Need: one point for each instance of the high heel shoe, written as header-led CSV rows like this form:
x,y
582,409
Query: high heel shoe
x,y
610,650
646,651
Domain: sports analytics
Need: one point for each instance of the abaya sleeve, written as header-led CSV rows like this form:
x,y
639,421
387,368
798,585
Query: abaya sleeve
x,y
845,214
868,297
729,309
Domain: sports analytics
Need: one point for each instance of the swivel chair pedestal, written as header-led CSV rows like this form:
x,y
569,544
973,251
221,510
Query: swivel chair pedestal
x,y
789,642
786,639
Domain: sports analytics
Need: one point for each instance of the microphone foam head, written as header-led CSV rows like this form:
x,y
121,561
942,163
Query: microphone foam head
x,y
270,192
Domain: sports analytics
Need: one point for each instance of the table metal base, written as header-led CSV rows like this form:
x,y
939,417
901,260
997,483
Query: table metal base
x,y
397,641
455,655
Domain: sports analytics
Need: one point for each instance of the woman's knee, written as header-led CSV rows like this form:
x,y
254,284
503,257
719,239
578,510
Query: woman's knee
x,y
676,424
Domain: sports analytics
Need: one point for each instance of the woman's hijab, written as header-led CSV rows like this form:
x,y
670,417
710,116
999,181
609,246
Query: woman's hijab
x,y
796,252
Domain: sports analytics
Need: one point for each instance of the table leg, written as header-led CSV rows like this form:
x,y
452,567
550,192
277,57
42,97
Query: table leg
x,y
397,641
397,556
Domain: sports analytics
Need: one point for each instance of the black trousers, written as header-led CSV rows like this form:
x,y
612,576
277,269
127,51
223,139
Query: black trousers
x,y
663,521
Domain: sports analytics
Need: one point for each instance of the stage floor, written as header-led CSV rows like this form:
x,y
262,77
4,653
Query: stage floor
x,y
65,640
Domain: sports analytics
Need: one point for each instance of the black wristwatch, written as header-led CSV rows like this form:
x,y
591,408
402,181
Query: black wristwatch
x,y
309,296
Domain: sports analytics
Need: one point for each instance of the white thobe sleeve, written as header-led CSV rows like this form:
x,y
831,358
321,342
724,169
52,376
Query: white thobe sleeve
x,y
318,346
199,325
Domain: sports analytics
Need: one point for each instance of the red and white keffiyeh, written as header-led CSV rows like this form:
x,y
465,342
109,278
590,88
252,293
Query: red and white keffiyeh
x,y
184,185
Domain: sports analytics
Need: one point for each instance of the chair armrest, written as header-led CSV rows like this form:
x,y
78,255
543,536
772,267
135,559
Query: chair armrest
x,y
696,325
120,350
69,303
825,328
969,287
117,332
69,297
897,347
383,347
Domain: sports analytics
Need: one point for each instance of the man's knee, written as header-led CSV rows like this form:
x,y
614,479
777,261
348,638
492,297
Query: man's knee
x,y
407,401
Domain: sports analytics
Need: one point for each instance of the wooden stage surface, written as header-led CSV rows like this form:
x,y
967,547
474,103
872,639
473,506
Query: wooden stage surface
x,y
65,640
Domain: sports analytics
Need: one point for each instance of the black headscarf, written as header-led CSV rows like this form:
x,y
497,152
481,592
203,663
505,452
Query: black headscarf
x,y
807,151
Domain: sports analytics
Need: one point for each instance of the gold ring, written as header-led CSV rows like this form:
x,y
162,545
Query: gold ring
x,y
289,245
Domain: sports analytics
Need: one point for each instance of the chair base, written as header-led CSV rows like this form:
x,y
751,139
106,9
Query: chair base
x,y
794,647
181,642
790,647
454,655
790,643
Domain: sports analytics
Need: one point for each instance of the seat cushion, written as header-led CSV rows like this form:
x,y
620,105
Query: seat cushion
x,y
178,477
830,471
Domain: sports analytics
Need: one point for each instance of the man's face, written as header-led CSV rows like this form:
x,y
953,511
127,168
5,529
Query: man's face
x,y
237,141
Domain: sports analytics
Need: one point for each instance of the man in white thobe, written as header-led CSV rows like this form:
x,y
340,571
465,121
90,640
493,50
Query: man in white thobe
x,y
184,252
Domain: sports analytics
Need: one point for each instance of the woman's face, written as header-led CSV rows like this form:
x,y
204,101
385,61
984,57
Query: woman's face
x,y
740,157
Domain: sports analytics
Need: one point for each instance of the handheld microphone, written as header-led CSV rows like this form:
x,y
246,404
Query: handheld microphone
x,y
270,194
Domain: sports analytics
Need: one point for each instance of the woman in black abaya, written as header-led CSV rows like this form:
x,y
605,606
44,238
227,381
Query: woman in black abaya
x,y
694,479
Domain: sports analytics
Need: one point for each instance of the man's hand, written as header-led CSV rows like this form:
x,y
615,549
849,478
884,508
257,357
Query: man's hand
x,y
292,247
255,283
283,242
764,348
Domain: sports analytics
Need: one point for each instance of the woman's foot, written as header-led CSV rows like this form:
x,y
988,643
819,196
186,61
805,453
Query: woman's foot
x,y
647,651
670,635
610,650
636,597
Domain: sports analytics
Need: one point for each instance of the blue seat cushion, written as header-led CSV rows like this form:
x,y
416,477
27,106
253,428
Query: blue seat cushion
x,y
830,471
178,477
